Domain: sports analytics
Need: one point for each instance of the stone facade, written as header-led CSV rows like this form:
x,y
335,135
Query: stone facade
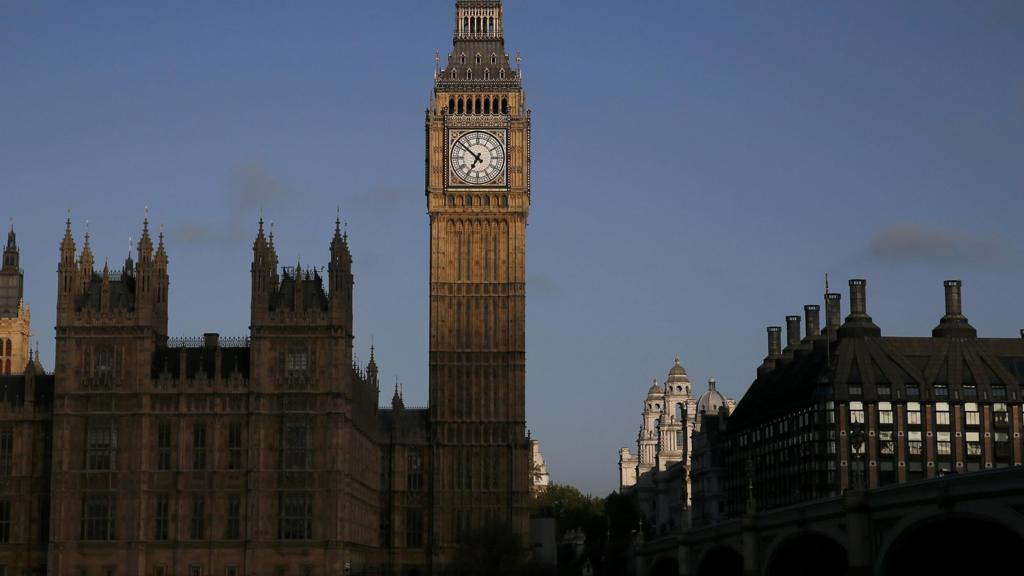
x,y
268,454
15,316
658,475
478,199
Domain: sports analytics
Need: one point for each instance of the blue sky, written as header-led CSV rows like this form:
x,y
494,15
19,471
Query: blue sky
x,y
697,169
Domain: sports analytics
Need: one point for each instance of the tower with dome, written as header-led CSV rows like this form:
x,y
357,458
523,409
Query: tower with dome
x,y
658,472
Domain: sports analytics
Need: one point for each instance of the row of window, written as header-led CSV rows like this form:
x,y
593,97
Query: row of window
x,y
478,201
99,514
477,105
971,411
101,446
967,391
476,25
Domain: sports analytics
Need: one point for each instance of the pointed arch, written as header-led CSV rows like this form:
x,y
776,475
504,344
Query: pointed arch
x,y
451,105
504,104
477,105
461,103
487,101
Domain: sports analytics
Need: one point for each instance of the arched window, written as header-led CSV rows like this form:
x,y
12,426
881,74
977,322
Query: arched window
x,y
490,25
487,74
469,201
680,414
469,74
451,201
657,428
462,58
504,201
460,105
487,104
487,200
504,105
465,25
501,73
477,57
494,59
453,74
478,105
451,105
472,25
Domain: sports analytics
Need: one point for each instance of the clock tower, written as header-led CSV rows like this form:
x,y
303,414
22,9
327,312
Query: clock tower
x,y
478,198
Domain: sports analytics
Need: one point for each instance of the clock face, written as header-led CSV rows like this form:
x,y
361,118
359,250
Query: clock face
x,y
477,157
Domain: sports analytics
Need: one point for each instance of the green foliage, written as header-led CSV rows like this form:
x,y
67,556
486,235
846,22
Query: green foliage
x,y
492,550
569,507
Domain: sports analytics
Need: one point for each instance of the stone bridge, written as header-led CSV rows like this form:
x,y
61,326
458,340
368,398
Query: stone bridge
x,y
957,524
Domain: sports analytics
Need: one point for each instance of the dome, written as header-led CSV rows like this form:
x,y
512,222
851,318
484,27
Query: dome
x,y
655,389
677,374
711,400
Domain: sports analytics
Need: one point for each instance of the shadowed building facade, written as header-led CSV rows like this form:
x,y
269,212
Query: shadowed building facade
x,y
268,454
478,198
847,408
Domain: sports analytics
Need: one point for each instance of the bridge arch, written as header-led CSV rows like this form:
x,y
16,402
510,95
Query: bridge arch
x,y
665,566
952,541
806,553
720,560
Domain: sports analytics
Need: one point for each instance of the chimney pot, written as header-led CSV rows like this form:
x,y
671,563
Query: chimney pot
x,y
858,297
211,340
811,314
832,312
774,341
792,331
954,306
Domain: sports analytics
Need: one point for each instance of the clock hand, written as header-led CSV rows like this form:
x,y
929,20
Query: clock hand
x,y
474,154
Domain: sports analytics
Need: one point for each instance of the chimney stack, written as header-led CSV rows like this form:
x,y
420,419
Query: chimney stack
x,y
858,323
953,303
858,298
811,315
954,323
833,316
774,342
792,332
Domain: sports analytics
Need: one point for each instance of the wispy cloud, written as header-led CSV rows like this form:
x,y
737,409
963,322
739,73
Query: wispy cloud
x,y
251,187
910,243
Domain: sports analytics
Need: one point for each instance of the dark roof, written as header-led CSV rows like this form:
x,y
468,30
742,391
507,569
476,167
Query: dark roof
x,y
200,360
406,426
310,286
122,292
868,361
12,389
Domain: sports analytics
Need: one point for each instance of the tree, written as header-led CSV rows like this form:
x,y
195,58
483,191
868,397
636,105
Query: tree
x,y
494,549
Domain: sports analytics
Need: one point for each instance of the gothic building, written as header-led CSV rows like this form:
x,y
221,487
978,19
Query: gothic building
x,y
15,316
849,408
658,475
268,454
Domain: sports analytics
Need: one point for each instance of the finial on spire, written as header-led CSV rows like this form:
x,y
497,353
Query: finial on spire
x,y
129,245
437,64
